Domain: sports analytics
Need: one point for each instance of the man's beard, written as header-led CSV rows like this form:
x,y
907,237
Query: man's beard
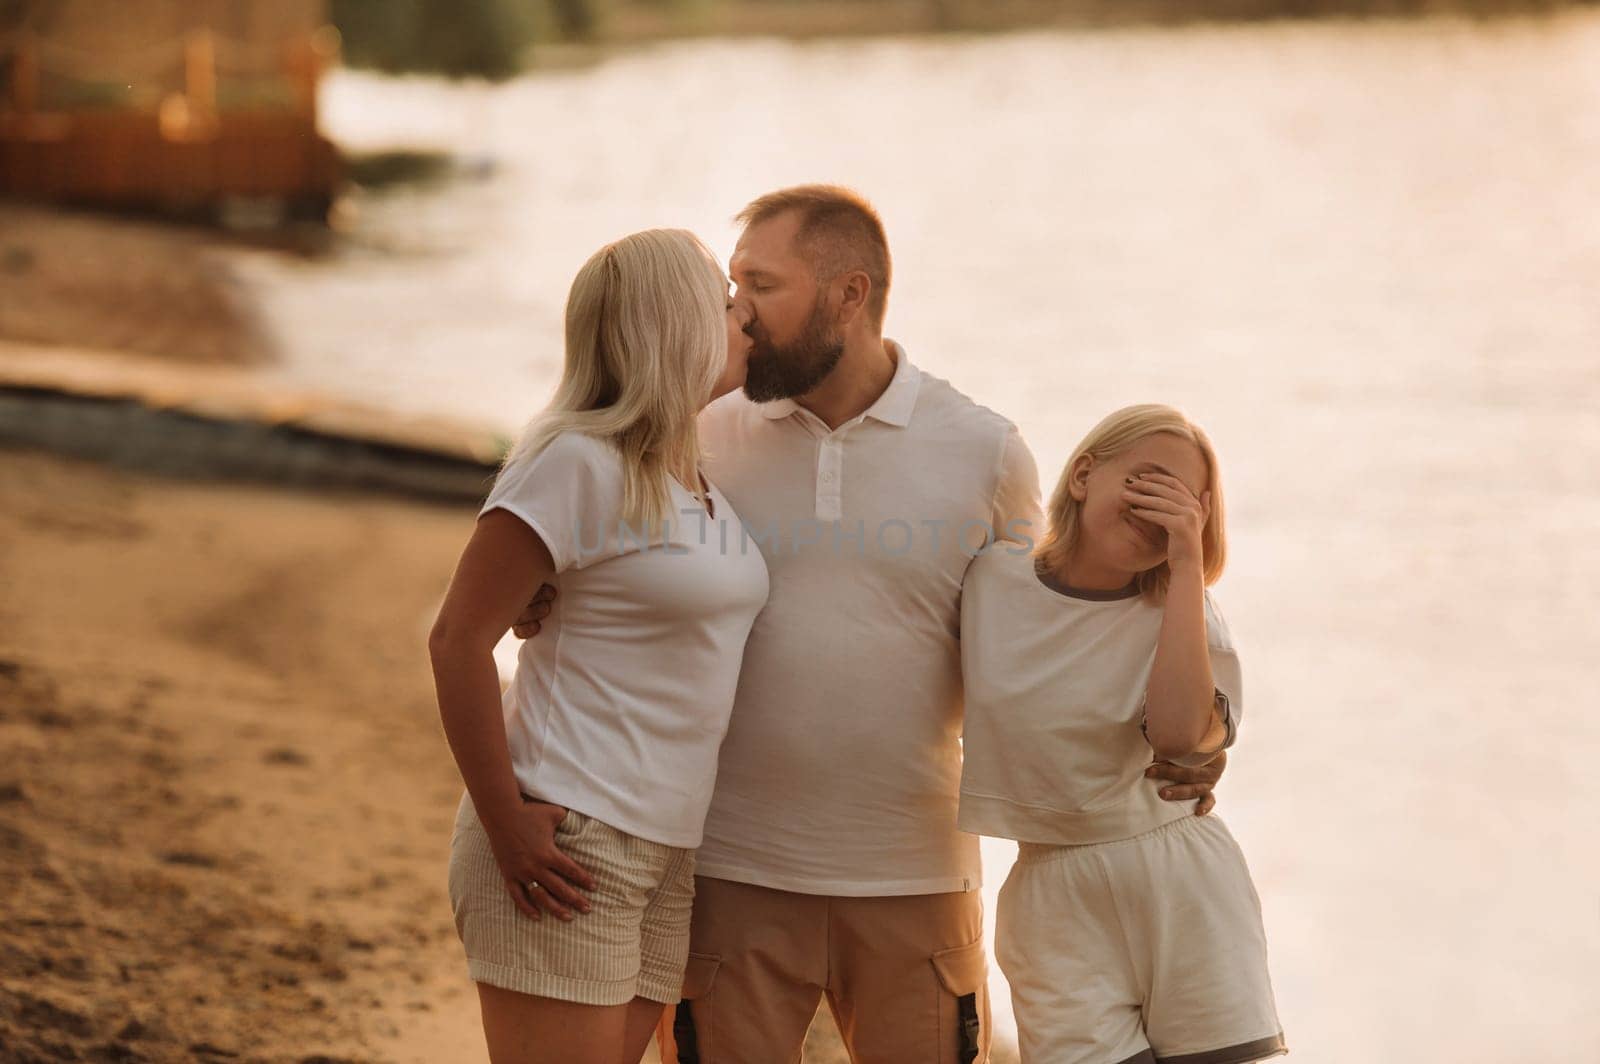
x,y
775,372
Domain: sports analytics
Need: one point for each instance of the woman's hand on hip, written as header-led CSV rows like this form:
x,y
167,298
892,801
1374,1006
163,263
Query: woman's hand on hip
x,y
539,876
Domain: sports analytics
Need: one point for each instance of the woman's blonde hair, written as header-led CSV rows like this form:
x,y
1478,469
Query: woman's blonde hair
x,y
646,343
1115,434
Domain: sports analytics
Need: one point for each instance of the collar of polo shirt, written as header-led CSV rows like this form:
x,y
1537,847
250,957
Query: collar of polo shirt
x,y
893,407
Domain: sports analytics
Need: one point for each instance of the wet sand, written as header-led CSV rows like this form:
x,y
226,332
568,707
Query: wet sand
x,y
225,798
123,284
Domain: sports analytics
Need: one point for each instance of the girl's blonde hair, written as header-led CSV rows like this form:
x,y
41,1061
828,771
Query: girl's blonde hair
x,y
646,342
1115,434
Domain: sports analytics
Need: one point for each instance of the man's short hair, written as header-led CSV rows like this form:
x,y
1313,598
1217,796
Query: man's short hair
x,y
839,232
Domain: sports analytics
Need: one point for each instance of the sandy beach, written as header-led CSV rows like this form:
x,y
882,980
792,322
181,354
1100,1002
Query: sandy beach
x,y
226,798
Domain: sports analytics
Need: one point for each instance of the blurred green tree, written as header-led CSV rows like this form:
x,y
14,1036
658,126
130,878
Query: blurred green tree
x,y
457,38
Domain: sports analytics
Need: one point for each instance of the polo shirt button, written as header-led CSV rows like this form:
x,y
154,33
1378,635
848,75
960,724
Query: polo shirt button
x,y
827,478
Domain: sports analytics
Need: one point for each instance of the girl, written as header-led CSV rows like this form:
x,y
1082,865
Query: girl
x,y
1128,929
609,731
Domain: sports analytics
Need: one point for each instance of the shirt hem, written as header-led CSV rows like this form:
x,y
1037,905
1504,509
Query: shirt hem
x,y
1001,818
608,815
840,888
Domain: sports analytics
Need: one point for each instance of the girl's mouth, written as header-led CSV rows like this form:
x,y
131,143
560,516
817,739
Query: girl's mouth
x,y
1151,535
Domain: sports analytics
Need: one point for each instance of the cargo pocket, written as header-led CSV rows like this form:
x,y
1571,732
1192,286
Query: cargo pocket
x,y
699,974
691,1033
963,1004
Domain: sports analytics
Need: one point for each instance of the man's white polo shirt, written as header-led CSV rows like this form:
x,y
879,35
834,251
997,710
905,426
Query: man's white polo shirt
x,y
841,769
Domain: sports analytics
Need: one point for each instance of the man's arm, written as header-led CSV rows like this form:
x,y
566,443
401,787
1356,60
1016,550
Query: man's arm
x,y
531,619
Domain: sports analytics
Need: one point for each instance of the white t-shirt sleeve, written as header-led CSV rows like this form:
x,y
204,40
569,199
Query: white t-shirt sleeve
x,y
1225,674
1017,513
570,493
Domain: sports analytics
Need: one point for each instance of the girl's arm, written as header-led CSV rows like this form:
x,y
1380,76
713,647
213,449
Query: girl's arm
x,y
1181,718
1181,721
503,564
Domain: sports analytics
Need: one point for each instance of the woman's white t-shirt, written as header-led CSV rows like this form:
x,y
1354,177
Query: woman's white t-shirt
x,y
1053,748
619,707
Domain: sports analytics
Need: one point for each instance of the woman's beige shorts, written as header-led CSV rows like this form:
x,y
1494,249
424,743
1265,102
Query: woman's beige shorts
x,y
633,943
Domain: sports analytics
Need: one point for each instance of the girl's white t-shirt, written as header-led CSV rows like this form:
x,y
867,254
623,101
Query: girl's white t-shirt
x,y
1053,749
618,709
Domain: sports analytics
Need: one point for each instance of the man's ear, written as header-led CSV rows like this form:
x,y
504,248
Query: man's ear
x,y
1078,477
854,289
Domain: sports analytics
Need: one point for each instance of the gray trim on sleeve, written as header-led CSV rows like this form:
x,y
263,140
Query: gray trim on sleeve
x,y
1227,719
1242,1053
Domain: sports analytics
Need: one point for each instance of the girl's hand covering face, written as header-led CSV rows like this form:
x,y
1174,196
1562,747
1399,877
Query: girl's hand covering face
x,y
1167,503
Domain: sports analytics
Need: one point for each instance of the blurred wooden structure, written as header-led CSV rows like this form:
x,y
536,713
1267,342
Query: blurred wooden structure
x,y
166,104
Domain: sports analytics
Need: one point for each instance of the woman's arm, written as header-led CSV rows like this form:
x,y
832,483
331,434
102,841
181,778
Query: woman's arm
x,y
1181,718
504,562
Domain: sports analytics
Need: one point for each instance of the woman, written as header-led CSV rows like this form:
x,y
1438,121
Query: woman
x,y
611,726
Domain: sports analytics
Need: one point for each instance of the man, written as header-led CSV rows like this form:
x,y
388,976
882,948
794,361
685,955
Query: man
x,y
832,864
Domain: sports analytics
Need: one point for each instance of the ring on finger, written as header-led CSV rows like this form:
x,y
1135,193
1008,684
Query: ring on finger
x,y
532,886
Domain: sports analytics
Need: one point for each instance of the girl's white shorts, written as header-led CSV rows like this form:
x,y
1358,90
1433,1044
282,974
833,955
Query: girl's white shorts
x,y
1146,950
